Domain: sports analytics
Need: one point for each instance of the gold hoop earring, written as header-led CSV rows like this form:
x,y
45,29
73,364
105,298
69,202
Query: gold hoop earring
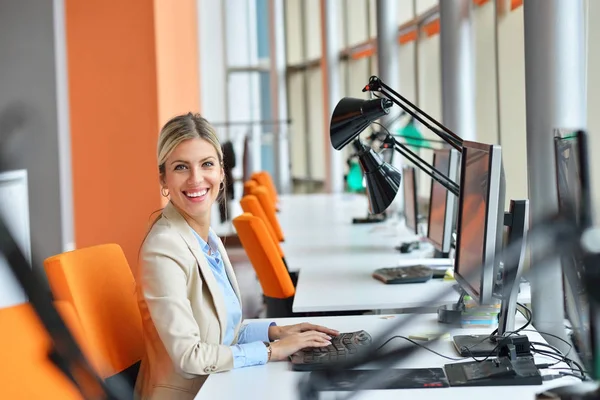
x,y
221,186
164,192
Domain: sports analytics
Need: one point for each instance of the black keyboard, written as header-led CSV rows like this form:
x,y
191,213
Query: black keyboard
x,y
409,274
342,347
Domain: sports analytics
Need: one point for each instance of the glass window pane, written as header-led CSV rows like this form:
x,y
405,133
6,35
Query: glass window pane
x,y
357,22
298,130
240,24
313,28
424,5
373,18
406,11
430,98
511,75
293,31
316,123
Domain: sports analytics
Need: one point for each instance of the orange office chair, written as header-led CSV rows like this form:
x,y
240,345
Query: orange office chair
x,y
249,185
250,204
98,283
264,179
262,195
26,372
274,278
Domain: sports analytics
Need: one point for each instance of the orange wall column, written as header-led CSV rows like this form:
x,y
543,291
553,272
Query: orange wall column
x,y
114,120
177,58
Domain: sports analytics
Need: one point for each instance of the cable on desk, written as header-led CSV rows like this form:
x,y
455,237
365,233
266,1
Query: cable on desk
x,y
524,311
562,373
561,358
554,336
420,345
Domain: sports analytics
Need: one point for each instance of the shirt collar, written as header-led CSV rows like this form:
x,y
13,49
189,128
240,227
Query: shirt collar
x,y
212,241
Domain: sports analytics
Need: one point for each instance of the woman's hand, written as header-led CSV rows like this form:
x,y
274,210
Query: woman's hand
x,y
294,342
281,332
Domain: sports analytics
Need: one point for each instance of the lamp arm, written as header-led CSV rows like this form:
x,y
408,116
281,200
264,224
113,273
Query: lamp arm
x,y
429,169
375,84
419,138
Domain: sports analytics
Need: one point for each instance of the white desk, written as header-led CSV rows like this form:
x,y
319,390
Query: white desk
x,y
348,285
318,230
277,381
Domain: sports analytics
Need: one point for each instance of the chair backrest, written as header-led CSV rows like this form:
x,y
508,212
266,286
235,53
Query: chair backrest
x,y
26,372
264,178
99,284
250,204
260,247
249,185
264,199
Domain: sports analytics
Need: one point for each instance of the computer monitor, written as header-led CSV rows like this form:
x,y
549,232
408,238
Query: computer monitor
x,y
480,219
411,209
442,203
573,189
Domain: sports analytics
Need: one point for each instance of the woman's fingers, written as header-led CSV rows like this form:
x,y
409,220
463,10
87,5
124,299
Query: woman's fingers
x,y
305,326
320,334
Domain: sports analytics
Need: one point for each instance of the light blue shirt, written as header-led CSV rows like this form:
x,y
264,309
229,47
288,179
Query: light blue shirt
x,y
250,349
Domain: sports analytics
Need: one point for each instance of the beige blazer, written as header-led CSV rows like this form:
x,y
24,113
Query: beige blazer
x,y
183,312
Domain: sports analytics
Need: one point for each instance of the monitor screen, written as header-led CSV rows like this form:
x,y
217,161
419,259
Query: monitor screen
x,y
480,219
437,201
571,189
410,199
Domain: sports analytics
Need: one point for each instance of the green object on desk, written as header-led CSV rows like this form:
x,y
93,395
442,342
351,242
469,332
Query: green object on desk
x,y
355,177
412,136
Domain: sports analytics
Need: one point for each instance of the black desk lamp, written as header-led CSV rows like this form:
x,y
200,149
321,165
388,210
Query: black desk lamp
x,y
350,117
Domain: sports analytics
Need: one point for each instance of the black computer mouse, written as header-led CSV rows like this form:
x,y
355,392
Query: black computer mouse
x,y
408,247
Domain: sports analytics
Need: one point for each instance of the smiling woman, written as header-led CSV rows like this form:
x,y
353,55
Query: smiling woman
x,y
187,291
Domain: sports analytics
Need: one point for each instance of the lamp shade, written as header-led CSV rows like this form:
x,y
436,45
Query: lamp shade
x,y
382,179
352,116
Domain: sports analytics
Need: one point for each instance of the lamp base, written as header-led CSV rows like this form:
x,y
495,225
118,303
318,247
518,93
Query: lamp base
x,y
370,219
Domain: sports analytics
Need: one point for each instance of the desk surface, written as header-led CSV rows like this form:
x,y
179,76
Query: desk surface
x,y
278,382
318,229
348,285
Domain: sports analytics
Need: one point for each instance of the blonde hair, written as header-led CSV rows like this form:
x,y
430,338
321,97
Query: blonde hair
x,y
182,128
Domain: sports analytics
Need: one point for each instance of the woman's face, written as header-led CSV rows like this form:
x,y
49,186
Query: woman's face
x,y
193,177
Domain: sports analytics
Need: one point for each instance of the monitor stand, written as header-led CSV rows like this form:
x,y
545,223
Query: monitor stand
x,y
487,345
439,254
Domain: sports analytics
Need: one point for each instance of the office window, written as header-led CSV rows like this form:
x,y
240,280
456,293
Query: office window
x,y
241,37
425,5
511,75
316,126
408,77
298,135
372,15
430,97
486,93
358,19
293,31
406,11
312,32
